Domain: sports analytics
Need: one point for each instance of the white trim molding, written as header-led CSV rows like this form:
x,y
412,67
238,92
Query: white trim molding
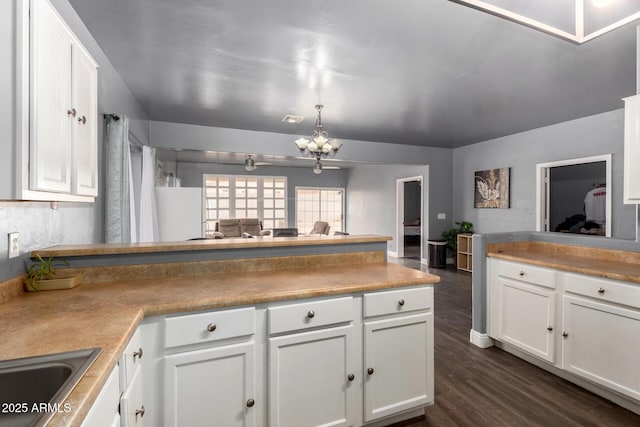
x,y
479,339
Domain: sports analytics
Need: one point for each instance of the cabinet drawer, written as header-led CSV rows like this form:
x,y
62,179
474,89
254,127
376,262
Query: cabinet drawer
x,y
397,301
603,289
293,317
528,273
210,326
130,359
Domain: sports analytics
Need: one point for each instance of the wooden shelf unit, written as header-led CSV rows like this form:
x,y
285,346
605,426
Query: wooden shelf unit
x,y
465,252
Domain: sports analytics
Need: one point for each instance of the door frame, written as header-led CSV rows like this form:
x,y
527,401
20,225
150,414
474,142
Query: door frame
x,y
542,189
400,216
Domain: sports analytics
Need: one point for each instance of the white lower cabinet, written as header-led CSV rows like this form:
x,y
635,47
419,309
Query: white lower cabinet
x,y
526,317
104,412
598,338
601,342
398,360
311,377
213,386
294,364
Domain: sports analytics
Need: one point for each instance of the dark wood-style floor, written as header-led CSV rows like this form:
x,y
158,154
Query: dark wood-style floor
x,y
489,387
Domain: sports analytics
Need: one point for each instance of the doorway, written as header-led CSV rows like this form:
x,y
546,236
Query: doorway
x,y
410,218
573,196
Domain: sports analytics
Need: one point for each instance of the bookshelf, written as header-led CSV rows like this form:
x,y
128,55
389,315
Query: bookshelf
x,y
465,252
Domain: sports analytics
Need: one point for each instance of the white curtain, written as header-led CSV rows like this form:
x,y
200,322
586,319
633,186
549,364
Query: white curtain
x,y
118,213
148,218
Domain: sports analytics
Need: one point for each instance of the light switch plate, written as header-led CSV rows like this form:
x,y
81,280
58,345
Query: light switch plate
x,y
442,216
14,244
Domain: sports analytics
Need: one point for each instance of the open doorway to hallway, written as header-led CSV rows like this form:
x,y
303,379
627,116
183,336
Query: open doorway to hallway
x,y
410,218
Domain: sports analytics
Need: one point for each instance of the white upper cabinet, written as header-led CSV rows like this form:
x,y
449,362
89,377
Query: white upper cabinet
x,y
631,191
63,112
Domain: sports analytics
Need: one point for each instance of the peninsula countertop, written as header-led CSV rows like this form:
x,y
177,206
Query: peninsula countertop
x,y
107,314
606,263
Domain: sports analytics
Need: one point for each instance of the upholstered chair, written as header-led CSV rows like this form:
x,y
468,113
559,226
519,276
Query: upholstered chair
x,y
320,227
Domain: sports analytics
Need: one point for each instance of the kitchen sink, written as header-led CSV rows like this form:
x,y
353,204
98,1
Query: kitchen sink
x,y
33,389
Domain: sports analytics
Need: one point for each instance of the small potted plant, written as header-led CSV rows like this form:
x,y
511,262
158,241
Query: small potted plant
x,y
451,235
41,276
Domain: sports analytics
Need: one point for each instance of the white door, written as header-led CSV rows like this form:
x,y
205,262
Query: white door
x,y
214,386
311,378
601,342
398,357
50,146
526,317
84,128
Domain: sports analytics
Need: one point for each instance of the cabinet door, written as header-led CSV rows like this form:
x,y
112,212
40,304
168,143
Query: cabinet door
x,y
309,378
84,129
104,412
526,317
601,343
132,403
50,149
631,187
214,386
398,364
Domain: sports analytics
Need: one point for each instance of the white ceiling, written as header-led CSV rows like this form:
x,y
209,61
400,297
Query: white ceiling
x,y
419,72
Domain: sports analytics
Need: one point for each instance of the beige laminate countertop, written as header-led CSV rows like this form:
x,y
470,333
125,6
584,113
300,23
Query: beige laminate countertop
x,y
207,245
606,263
106,314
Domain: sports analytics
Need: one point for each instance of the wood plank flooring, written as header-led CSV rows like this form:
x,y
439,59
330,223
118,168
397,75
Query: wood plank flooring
x,y
490,387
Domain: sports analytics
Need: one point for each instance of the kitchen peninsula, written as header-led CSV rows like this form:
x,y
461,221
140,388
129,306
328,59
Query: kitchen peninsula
x,y
256,307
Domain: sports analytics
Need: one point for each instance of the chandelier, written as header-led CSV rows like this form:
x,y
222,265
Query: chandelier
x,y
320,146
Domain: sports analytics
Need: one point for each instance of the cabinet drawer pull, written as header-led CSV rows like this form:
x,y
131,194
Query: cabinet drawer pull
x,y
522,273
140,412
549,328
311,314
211,327
601,290
250,403
370,371
401,302
71,112
351,377
82,120
564,334
137,354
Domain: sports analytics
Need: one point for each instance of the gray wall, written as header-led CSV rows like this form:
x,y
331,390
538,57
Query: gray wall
x,y
588,136
40,225
191,176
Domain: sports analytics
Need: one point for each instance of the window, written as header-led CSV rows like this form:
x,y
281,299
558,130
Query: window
x,y
319,204
237,196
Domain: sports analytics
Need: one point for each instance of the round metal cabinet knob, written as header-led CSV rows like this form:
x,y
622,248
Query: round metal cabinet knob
x,y
549,328
311,314
564,334
138,354
250,403
211,327
71,112
401,302
140,412
370,371
601,290
351,377
522,273
82,120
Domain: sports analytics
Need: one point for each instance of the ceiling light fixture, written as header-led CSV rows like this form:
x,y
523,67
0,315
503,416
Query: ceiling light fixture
x,y
249,164
320,146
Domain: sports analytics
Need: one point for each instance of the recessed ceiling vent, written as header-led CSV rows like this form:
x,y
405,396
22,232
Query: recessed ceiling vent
x,y
292,119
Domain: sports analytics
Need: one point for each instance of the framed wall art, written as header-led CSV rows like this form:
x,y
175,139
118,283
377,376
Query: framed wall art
x,y
491,189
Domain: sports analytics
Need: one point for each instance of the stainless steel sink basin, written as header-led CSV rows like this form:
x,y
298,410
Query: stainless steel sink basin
x,y
33,389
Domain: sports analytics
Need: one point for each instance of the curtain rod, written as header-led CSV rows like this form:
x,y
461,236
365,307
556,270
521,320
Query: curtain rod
x,y
115,117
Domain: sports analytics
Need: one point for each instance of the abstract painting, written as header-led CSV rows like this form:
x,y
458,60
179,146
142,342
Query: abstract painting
x,y
492,189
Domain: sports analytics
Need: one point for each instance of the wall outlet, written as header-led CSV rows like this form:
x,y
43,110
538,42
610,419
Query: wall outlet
x,y
442,216
14,244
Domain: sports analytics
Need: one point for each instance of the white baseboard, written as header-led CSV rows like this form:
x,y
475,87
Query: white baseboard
x,y
424,261
392,254
480,340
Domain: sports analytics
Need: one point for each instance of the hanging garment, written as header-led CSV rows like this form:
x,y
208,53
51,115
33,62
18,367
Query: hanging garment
x,y
595,205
